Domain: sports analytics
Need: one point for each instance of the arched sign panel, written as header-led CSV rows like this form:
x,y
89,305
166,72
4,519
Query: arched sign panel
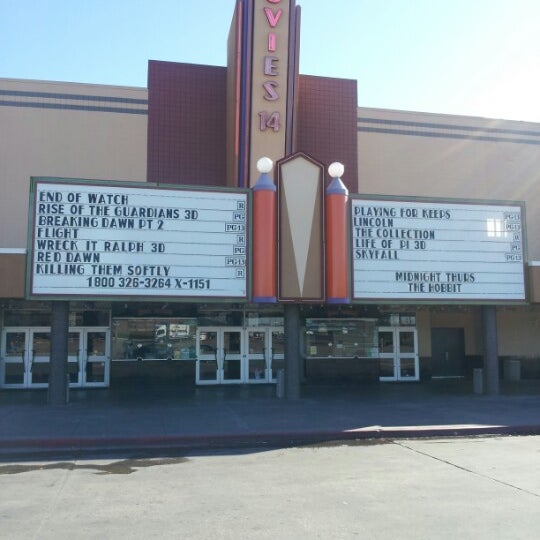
x,y
301,229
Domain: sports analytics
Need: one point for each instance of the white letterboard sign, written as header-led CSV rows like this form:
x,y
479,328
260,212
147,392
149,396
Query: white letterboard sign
x,y
404,250
109,240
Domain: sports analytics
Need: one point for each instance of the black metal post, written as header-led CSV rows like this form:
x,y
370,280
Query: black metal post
x,y
58,389
292,351
491,358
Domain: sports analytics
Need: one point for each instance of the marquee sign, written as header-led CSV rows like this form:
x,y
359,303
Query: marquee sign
x,y
432,250
105,239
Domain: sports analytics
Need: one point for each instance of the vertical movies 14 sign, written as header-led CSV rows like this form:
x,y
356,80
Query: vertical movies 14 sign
x,y
110,240
410,250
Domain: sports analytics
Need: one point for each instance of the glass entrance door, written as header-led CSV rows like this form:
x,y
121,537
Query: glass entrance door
x,y
207,367
14,366
95,362
75,356
398,354
277,351
237,355
232,356
88,357
258,355
220,355
265,353
40,358
25,357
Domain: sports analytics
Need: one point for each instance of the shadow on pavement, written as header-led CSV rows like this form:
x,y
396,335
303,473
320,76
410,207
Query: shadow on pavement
x,y
160,417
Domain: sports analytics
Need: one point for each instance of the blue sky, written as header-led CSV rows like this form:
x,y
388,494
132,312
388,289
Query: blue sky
x,y
471,57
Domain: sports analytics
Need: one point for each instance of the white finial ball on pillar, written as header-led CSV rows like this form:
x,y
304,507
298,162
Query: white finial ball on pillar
x,y
265,165
336,169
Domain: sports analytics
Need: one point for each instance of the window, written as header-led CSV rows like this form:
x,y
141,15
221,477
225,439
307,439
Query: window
x,y
153,339
341,338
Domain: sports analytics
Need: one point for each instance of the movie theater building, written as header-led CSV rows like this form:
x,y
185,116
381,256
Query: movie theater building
x,y
142,235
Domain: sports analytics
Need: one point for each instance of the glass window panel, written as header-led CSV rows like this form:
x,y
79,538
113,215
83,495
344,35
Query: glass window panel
x,y
73,372
231,370
220,318
407,367
407,319
154,338
347,338
40,372
15,344
27,318
96,343
14,372
95,372
231,342
397,319
386,342
207,370
73,344
257,342
79,317
277,364
263,319
43,318
41,343
95,318
406,342
278,342
257,370
208,343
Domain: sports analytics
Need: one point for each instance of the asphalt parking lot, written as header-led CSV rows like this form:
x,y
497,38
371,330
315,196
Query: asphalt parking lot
x,y
468,488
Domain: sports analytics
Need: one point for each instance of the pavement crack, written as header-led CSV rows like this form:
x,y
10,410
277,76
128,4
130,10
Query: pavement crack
x,y
53,503
465,469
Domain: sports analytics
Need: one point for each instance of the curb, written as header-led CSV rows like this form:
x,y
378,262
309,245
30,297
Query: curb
x,y
81,445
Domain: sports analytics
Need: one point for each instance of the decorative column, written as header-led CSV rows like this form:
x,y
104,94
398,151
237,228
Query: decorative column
x,y
301,266
58,392
337,259
264,235
491,358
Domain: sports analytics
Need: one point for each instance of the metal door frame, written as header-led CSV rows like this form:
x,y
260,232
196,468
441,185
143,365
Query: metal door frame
x,y
220,355
11,359
37,359
268,356
275,356
397,355
29,358
245,356
85,358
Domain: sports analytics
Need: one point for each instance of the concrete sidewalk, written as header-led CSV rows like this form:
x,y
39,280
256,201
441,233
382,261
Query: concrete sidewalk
x,y
167,417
